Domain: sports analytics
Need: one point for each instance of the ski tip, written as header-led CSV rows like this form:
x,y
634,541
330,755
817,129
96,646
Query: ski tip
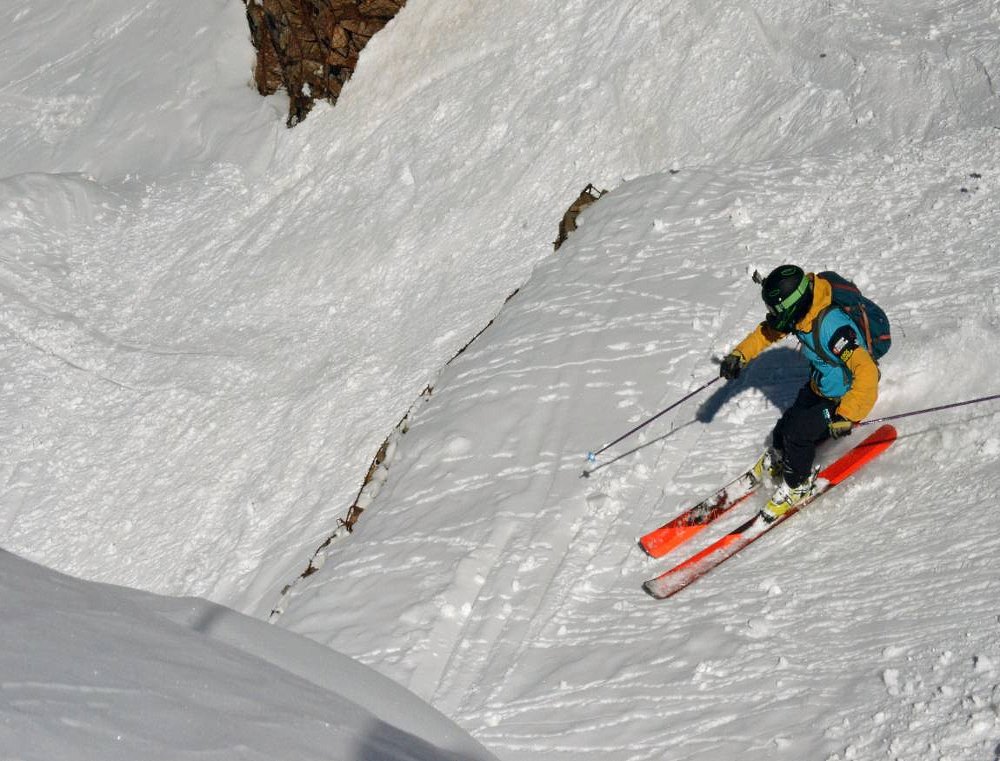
x,y
882,436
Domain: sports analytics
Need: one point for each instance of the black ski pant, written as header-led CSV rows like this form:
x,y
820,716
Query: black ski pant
x,y
800,429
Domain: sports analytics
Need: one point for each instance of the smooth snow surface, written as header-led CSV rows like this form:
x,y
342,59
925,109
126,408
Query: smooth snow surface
x,y
98,672
211,324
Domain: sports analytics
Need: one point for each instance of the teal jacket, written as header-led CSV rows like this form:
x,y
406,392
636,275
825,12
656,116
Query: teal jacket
x,y
830,375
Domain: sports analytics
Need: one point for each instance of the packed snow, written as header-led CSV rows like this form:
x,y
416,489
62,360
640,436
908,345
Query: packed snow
x,y
212,324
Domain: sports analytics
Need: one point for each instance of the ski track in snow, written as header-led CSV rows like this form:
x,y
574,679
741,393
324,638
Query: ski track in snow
x,y
791,638
207,336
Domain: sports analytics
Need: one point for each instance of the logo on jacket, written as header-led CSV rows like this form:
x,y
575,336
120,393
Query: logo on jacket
x,y
843,340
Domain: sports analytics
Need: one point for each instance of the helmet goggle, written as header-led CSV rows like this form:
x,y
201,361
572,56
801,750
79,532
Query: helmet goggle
x,y
784,309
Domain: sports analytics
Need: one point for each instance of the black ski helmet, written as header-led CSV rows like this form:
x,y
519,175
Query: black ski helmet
x,y
788,294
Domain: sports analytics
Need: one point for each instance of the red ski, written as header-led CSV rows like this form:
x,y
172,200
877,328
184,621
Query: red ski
x,y
659,542
672,581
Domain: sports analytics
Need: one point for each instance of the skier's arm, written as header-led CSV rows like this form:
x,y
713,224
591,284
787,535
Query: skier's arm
x,y
758,340
860,399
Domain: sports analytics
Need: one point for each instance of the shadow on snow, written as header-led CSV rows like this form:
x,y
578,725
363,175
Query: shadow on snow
x,y
778,373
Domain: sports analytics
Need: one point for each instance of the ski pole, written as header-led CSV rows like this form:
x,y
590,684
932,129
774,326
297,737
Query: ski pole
x,y
592,456
929,409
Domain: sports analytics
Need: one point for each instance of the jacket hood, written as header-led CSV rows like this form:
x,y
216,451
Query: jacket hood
x,y
822,298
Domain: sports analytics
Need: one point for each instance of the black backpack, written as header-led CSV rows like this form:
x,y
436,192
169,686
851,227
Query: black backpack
x,y
868,315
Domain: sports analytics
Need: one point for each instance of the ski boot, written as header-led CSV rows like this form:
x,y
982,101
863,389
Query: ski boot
x,y
770,464
785,498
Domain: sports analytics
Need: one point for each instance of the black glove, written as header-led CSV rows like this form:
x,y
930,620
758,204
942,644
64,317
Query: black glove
x,y
731,365
840,426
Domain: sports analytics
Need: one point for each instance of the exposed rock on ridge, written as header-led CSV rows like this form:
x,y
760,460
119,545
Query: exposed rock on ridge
x,y
311,47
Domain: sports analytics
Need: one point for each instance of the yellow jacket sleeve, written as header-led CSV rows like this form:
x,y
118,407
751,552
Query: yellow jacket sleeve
x,y
859,400
758,340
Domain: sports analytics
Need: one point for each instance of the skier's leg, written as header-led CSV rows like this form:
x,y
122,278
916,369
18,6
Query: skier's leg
x,y
805,398
802,427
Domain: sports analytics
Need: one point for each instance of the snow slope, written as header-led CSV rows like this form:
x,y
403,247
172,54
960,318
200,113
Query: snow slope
x,y
98,672
867,628
212,323
182,327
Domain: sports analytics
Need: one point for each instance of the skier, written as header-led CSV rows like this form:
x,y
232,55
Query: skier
x,y
842,387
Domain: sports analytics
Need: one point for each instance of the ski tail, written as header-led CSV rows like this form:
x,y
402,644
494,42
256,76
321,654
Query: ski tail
x,y
688,524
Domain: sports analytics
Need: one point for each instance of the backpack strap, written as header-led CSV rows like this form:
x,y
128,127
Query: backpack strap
x,y
856,308
856,311
818,345
821,349
865,326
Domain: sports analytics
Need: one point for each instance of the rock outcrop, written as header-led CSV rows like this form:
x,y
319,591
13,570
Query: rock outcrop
x,y
311,47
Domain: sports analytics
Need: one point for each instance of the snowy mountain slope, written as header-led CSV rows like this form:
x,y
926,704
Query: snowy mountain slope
x,y
101,672
511,583
195,403
208,333
116,89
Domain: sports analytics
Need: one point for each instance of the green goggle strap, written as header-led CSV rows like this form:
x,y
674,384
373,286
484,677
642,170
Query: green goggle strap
x,y
793,298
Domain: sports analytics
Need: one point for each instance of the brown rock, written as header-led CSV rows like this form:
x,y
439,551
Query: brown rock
x,y
568,224
310,47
